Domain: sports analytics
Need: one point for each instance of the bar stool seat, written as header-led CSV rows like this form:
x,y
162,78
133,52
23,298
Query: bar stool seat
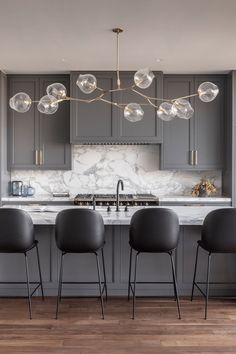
x,y
17,236
153,230
81,231
218,236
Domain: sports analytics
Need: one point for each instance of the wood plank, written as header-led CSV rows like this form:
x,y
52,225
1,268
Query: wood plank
x,y
81,330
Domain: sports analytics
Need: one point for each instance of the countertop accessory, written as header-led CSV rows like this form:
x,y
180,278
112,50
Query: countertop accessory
x,y
31,190
204,188
16,188
169,108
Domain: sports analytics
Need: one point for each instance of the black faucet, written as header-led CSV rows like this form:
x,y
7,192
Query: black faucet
x,y
94,202
119,183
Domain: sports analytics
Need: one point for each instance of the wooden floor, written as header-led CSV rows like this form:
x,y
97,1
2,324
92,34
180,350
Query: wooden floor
x,y
80,329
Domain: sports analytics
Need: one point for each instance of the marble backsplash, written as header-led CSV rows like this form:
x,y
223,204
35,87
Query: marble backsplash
x,y
96,169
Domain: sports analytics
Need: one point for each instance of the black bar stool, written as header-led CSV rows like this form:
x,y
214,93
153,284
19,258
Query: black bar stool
x,y
218,236
17,236
153,230
81,231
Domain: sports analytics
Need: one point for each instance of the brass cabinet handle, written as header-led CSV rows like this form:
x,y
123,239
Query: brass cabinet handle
x,y
195,157
36,157
41,157
191,157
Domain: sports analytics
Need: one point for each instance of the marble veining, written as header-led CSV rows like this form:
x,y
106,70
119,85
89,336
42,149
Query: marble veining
x,y
96,169
46,215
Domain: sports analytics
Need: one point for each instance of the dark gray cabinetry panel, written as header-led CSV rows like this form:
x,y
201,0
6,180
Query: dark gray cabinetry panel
x,y
209,126
32,133
23,139
195,144
178,133
100,122
149,129
54,130
93,122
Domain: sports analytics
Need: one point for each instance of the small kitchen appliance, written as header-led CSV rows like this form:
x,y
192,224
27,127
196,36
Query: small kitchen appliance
x,y
16,188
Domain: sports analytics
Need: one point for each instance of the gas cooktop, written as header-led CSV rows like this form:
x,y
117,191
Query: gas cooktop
x,y
110,199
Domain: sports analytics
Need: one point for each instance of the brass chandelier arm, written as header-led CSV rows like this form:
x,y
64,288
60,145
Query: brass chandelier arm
x,y
112,103
189,96
83,100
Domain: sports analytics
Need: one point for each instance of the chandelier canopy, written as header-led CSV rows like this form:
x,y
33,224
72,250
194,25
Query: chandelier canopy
x,y
169,108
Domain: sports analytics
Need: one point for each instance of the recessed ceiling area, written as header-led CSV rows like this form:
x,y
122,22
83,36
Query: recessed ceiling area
x,y
188,36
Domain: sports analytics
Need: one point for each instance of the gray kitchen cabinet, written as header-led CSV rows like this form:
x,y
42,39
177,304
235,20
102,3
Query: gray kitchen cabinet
x,y
149,129
93,122
54,131
99,122
38,141
195,144
209,126
178,133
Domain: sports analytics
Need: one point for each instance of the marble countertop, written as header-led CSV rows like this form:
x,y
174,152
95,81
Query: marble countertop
x,y
169,199
190,199
45,215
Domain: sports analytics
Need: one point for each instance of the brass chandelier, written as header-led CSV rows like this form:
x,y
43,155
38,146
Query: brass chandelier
x,y
167,110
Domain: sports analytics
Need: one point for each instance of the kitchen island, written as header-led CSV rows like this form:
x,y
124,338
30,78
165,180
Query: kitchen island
x,y
151,267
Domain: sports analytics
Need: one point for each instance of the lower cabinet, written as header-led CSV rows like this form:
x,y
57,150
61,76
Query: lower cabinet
x,y
151,267
38,141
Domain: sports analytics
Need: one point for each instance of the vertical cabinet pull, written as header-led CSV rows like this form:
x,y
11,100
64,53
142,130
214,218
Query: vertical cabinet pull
x,y
36,157
41,157
191,157
195,157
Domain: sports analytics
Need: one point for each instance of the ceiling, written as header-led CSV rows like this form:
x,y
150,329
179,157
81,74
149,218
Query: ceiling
x,y
189,36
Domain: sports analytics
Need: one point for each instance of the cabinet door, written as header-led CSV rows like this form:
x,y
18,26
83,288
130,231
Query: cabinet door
x,y
93,122
23,127
54,130
178,137
209,126
149,129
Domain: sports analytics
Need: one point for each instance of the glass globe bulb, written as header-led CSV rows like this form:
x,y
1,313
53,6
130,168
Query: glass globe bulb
x,y
133,112
48,104
143,78
57,90
184,108
20,102
166,111
208,91
87,83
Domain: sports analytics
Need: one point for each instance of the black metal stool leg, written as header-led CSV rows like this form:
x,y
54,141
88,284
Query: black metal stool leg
x,y
100,285
175,283
130,266
104,274
135,272
195,272
28,284
40,273
59,284
207,284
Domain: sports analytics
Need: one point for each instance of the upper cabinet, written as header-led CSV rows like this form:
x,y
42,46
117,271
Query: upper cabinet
x,y
35,140
197,143
93,122
100,122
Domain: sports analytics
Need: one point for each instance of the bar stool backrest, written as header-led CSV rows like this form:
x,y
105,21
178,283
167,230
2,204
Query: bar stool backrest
x,y
16,231
79,230
219,231
154,230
